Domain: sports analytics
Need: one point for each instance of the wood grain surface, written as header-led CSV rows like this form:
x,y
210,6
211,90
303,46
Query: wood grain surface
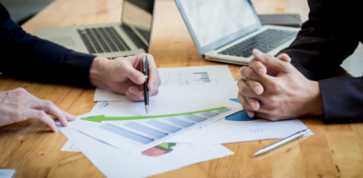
x,y
333,151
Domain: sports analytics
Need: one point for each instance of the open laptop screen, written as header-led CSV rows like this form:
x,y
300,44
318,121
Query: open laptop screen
x,y
139,14
212,21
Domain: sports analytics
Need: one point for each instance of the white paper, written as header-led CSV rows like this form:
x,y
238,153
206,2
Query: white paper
x,y
218,132
191,76
184,90
180,80
103,133
119,163
224,131
7,173
171,100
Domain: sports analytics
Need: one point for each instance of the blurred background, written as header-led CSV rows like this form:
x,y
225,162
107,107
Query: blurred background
x,y
23,10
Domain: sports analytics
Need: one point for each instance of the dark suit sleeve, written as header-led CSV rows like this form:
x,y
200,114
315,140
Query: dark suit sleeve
x,y
27,57
318,51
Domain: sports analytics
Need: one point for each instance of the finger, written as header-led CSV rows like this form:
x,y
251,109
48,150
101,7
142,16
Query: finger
x,y
251,74
43,117
134,95
154,92
265,76
245,90
70,117
138,61
154,77
121,87
257,87
254,104
134,98
137,91
248,73
50,108
154,82
249,104
133,73
284,57
270,62
268,112
245,106
258,67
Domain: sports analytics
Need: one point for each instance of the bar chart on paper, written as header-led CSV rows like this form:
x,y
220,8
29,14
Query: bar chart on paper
x,y
159,150
147,129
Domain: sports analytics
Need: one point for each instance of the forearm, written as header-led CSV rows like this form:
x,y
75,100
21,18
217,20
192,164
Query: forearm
x,y
40,60
28,57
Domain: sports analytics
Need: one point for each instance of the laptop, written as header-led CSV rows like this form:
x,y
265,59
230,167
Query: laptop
x,y
130,37
228,30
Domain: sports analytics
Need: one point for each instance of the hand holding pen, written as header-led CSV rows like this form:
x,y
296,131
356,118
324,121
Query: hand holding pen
x,y
124,76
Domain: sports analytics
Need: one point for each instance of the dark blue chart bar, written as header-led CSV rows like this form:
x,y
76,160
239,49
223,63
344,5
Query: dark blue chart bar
x,y
163,126
150,132
239,116
128,134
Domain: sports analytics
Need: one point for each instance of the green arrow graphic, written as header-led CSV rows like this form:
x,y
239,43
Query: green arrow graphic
x,y
100,118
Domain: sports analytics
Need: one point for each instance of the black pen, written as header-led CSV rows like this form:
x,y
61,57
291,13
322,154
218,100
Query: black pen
x,y
146,72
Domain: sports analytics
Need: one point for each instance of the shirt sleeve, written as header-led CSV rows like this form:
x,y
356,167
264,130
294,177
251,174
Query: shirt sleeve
x,y
28,57
322,43
318,51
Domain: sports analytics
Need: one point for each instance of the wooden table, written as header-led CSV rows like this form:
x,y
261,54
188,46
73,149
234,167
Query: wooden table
x,y
334,150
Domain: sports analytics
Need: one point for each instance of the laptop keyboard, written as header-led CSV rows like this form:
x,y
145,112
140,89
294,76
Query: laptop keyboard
x,y
264,41
102,40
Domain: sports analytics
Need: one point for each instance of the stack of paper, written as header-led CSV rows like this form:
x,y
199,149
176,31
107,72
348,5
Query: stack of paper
x,y
113,162
188,121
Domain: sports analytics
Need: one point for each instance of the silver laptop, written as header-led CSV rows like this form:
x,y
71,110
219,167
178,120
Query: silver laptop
x,y
130,37
228,30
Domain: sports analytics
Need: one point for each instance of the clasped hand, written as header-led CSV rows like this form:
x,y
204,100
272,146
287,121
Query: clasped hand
x,y
272,88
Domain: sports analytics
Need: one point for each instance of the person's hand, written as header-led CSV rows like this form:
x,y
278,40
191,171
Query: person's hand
x,y
18,105
272,88
122,75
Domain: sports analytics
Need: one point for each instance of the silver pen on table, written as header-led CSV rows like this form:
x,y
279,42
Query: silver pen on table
x,y
281,142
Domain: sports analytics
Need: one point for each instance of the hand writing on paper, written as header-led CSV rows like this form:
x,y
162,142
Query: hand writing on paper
x,y
122,76
272,88
19,105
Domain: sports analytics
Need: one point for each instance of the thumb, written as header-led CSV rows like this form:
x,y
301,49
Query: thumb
x,y
134,75
273,64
